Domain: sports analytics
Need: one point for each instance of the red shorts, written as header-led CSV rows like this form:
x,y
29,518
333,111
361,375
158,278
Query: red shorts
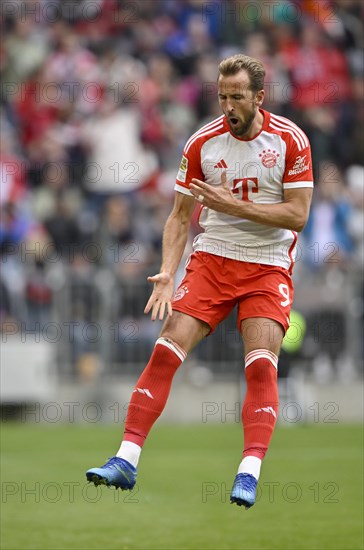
x,y
213,285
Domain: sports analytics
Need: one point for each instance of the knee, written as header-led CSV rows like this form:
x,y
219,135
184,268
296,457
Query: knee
x,y
184,330
175,338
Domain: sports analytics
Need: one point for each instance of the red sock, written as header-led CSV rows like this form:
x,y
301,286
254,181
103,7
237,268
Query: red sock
x,y
152,389
260,407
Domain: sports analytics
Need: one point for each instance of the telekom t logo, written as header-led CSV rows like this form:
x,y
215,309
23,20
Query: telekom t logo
x,y
243,186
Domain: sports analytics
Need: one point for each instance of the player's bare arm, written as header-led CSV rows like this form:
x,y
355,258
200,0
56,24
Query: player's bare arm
x,y
174,241
292,213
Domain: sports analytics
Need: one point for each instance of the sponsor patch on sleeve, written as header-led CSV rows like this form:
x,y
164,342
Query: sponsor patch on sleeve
x,y
301,165
182,172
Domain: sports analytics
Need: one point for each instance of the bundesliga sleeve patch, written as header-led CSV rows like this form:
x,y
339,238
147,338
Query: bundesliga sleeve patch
x,y
182,172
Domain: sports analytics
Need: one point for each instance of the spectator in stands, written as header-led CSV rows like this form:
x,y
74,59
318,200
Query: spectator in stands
x,y
118,161
96,108
328,240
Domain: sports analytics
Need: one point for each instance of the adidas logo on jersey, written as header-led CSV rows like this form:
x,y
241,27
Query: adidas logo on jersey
x,y
145,391
269,410
221,164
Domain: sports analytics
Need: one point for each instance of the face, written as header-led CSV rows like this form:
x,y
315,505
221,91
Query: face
x,y
239,104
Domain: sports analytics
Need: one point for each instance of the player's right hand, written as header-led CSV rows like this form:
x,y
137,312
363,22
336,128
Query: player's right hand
x,y
161,296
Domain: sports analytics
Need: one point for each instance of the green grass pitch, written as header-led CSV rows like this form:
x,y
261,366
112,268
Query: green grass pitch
x,y
311,489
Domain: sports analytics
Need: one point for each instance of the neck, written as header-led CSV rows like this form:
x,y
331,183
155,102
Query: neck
x,y
256,126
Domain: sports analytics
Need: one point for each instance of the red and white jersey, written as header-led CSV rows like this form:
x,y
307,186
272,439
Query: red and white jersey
x,y
258,170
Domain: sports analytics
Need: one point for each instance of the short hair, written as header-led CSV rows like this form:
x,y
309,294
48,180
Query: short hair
x,y
240,62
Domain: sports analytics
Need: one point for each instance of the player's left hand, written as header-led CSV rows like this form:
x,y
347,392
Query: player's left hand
x,y
216,197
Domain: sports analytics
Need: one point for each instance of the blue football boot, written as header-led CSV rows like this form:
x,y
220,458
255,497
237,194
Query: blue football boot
x,y
244,490
117,472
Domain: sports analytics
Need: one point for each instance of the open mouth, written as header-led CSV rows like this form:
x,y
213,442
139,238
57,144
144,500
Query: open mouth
x,y
234,120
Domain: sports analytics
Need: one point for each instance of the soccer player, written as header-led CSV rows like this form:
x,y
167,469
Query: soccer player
x,y
251,173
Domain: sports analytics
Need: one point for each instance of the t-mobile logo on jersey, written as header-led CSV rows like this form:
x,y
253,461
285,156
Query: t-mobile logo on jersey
x,y
242,187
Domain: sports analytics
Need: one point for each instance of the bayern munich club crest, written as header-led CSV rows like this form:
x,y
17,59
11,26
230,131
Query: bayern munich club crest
x,y
269,158
180,293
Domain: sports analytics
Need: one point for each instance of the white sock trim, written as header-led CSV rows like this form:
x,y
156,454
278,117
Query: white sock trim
x,y
250,465
261,354
181,354
129,451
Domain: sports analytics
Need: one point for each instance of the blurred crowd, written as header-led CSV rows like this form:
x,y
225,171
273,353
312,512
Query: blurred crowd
x,y
98,98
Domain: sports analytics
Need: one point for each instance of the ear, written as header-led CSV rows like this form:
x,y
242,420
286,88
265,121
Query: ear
x,y
259,98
